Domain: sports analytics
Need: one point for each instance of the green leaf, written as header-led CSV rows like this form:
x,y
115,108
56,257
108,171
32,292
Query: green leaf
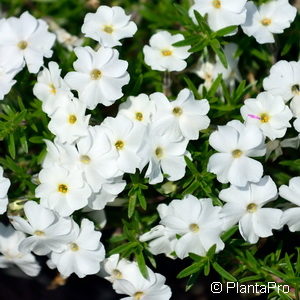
x,y
123,248
229,233
131,205
225,31
195,267
12,146
219,53
223,272
141,263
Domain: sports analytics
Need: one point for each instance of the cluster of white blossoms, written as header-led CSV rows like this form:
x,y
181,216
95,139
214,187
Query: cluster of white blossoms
x,y
261,23
85,164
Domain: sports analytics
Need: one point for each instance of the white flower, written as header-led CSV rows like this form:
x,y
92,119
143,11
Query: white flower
x,y
69,122
198,224
83,254
269,18
139,288
99,76
25,40
161,55
7,73
221,13
284,80
205,70
269,113
292,194
245,205
236,143
9,248
51,88
126,140
119,268
108,26
108,192
62,190
138,109
48,231
186,114
4,186
166,155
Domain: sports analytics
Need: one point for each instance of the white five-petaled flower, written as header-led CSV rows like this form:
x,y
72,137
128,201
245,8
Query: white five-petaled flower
x,y
185,115
4,186
292,194
269,113
236,143
269,18
138,109
48,231
108,26
139,288
166,155
25,40
99,77
245,206
83,254
62,190
10,254
221,13
198,224
161,55
69,122
51,88
127,139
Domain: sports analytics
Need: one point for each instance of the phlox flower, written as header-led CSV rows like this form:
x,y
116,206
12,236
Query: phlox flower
x,y
126,139
161,55
51,89
292,194
10,254
108,26
236,143
271,17
138,109
198,224
69,122
166,155
83,254
139,288
99,77
4,186
25,40
62,190
48,232
186,114
221,13
245,206
269,113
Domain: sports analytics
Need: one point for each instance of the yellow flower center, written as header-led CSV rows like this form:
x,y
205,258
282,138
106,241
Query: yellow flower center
x,y
85,159
117,274
139,116
216,3
138,295
74,247
72,119
108,29
296,89
159,152
166,52
52,89
96,74
177,111
194,228
62,188
22,45
119,145
39,233
264,118
237,153
252,207
266,21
